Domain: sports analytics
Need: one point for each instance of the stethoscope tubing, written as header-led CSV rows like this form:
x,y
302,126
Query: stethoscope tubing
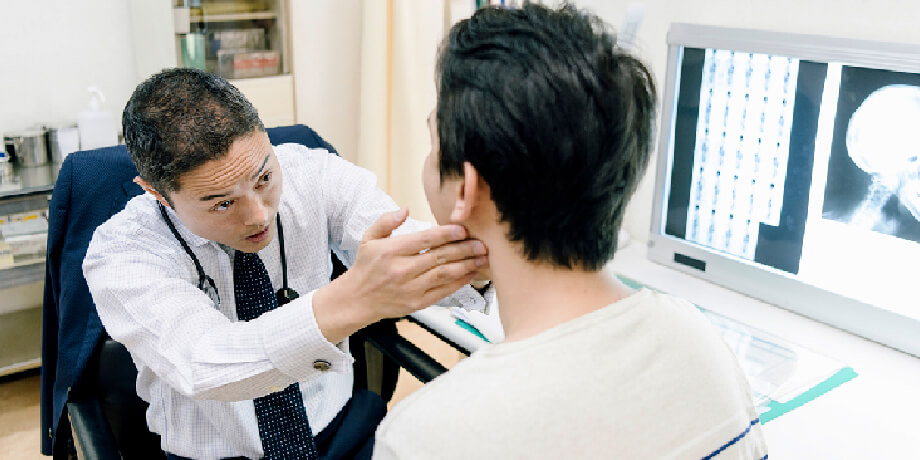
x,y
206,283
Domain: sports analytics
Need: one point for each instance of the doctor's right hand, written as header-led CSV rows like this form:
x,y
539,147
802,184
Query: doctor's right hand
x,y
394,276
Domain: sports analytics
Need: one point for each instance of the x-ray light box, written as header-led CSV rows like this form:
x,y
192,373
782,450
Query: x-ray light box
x,y
789,170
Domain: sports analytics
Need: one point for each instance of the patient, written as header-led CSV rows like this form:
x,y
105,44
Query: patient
x,y
542,130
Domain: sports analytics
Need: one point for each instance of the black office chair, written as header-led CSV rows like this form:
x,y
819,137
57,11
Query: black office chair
x,y
106,417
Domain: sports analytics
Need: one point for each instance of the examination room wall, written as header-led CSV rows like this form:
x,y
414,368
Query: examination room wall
x,y
52,50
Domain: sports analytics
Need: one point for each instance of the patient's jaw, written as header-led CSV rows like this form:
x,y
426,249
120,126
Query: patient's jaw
x,y
452,201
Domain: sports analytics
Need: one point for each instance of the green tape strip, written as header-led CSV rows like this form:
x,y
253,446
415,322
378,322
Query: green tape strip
x,y
472,329
630,282
776,409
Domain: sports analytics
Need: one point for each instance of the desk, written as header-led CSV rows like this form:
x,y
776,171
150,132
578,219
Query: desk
x,y
874,416
440,322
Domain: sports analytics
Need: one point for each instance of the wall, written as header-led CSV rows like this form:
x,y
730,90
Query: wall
x,y
52,50
882,20
417,30
326,53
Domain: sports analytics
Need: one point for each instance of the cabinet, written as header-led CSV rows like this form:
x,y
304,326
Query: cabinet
x,y
24,196
234,39
244,41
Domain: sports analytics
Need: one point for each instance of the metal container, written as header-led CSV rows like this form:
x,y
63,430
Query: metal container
x,y
7,178
27,148
62,140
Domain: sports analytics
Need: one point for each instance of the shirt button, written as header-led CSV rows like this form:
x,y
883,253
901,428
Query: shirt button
x,y
321,365
275,389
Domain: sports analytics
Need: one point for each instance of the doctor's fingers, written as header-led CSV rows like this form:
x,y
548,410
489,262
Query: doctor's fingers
x,y
450,276
445,254
385,224
428,239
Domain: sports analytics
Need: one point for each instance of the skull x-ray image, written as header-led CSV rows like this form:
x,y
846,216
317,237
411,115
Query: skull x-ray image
x,y
873,179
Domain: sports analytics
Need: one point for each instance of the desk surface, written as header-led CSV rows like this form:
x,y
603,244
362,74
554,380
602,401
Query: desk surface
x,y
874,416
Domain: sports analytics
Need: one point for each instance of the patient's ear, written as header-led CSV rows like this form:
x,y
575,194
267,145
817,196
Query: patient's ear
x,y
149,189
467,194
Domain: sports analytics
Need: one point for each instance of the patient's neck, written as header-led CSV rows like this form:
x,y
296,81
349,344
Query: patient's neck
x,y
535,297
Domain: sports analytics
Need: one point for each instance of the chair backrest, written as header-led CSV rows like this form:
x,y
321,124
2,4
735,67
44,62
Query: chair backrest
x,y
92,186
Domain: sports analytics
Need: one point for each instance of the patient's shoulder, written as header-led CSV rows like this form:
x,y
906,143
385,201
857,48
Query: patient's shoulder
x,y
426,421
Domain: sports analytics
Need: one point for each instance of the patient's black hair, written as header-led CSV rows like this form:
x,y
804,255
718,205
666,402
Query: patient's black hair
x,y
179,119
555,117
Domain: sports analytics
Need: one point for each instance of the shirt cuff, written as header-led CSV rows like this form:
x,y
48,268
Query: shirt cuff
x,y
296,346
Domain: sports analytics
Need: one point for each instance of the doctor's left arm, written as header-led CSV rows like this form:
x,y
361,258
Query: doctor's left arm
x,y
146,301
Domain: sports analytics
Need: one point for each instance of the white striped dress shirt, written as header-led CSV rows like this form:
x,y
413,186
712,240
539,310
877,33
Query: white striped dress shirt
x,y
199,368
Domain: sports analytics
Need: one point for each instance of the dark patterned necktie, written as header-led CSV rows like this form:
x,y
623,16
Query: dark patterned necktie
x,y
283,425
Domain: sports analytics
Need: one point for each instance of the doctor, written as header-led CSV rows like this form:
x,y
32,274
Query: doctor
x,y
217,279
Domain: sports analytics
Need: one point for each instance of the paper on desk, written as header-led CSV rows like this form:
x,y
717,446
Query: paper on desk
x,y
782,375
777,370
487,322
465,298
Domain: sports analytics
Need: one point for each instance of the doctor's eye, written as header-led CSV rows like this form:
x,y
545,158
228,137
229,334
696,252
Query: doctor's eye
x,y
266,178
222,205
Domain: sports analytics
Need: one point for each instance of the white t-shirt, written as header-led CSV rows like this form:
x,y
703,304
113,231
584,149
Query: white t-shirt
x,y
645,377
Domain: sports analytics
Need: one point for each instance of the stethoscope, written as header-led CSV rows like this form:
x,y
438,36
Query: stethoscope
x,y
206,283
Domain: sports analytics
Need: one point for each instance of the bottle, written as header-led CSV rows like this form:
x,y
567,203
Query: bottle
x,y
97,127
193,43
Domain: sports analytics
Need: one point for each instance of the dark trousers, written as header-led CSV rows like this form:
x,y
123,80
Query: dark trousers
x,y
350,435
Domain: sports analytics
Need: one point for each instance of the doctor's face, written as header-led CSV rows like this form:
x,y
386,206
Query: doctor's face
x,y
233,200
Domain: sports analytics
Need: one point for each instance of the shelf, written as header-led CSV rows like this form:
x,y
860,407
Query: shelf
x,y
15,204
234,17
27,191
20,367
22,274
20,340
25,181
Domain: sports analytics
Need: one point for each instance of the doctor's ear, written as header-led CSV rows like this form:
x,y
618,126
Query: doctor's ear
x,y
149,189
467,194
